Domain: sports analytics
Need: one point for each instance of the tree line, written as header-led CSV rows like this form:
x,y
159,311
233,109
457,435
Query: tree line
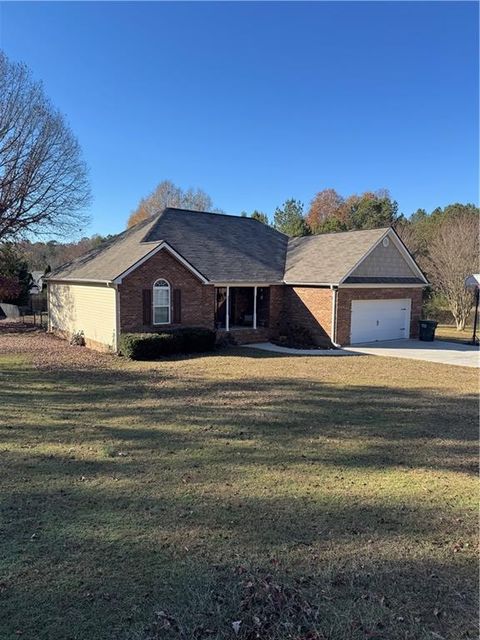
x,y
44,191
19,259
444,242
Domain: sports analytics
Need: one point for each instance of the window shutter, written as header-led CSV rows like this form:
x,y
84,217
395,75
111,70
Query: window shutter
x,y
147,306
177,305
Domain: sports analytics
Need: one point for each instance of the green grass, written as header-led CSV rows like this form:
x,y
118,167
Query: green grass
x,y
308,498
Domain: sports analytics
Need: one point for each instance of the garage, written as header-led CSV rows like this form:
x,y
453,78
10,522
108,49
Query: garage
x,y
374,320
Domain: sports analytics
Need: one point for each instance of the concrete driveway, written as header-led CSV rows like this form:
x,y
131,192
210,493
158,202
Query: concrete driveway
x,y
454,353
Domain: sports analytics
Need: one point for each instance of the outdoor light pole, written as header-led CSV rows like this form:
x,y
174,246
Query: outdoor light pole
x,y
475,318
473,282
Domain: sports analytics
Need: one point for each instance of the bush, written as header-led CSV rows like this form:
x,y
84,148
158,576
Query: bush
x,y
296,336
196,339
150,346
77,339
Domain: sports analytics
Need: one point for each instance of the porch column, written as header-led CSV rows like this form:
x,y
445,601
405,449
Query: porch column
x,y
227,311
254,307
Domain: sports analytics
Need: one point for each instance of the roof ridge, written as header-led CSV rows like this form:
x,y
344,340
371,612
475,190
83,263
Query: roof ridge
x,y
338,233
159,216
212,213
153,222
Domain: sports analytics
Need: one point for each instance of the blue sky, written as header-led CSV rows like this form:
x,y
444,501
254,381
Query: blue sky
x,y
259,102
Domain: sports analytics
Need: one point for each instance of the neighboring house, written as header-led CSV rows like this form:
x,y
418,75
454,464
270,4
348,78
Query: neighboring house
x,y
37,282
37,299
237,275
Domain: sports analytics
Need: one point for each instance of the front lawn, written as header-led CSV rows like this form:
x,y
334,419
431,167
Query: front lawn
x,y
305,498
451,334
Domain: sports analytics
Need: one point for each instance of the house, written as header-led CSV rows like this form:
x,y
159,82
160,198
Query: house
x,y
36,285
237,275
37,297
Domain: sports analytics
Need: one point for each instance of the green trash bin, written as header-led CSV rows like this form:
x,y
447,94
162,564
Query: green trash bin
x,y
427,330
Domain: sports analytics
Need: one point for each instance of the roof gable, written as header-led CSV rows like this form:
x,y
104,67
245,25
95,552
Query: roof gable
x,y
388,261
385,260
162,246
327,258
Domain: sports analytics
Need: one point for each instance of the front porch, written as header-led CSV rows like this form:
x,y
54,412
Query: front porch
x,y
245,309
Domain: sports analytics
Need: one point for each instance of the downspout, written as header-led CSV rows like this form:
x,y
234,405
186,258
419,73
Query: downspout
x,y
49,322
227,314
334,289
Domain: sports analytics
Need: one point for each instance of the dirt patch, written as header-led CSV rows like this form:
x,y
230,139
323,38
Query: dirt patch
x,y
47,351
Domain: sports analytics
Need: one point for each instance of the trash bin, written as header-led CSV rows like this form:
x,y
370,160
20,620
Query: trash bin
x,y
427,330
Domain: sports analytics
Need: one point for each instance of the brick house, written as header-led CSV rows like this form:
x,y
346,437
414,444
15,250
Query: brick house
x,y
241,277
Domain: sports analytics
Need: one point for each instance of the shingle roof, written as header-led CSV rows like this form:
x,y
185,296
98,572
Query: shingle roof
x,y
110,259
223,248
327,258
226,249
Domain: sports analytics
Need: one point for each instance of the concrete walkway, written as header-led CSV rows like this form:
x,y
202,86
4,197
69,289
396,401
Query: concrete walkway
x,y
275,348
453,353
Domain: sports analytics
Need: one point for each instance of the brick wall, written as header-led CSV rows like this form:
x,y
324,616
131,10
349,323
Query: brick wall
x,y
277,300
244,335
344,307
197,306
310,307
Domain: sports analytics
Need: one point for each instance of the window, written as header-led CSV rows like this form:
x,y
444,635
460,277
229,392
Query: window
x,y
238,307
161,302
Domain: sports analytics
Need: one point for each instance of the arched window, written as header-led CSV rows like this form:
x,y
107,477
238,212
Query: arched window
x,y
161,302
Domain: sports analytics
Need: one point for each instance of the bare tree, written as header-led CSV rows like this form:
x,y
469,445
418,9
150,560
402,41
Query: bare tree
x,y
453,255
167,194
415,243
43,179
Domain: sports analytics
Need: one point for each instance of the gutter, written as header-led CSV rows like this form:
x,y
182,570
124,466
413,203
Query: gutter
x,y
310,284
85,280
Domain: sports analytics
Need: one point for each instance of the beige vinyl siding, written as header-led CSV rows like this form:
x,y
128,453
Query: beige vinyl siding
x,y
83,307
384,262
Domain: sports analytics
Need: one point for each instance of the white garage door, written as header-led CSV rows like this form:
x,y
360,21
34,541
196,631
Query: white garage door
x,y
374,320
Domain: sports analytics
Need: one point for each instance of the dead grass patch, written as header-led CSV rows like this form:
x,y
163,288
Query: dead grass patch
x,y
304,498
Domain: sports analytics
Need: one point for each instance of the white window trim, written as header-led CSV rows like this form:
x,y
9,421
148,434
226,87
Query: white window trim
x,y
163,306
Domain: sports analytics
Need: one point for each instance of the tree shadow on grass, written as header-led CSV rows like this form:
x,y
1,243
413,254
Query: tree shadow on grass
x,y
382,426
95,542
110,561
